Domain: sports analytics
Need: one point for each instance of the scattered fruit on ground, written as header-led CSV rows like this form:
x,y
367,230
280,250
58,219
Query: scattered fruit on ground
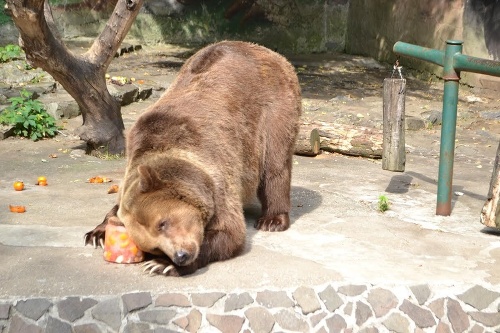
x,y
17,209
99,179
42,181
113,189
18,186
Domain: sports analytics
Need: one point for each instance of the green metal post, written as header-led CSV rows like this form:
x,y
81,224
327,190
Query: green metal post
x,y
448,128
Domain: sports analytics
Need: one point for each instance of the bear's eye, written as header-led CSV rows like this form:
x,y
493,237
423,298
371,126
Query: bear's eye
x,y
163,225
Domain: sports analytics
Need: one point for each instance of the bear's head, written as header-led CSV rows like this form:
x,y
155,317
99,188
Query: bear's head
x,y
163,216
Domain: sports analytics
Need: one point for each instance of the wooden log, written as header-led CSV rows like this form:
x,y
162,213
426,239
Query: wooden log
x,y
490,216
394,154
307,143
348,139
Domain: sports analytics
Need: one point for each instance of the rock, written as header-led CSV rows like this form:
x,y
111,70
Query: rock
x,y
421,292
289,320
172,299
479,297
414,124
18,324
237,301
352,290
335,323
260,319
397,323
422,317
4,311
126,94
433,117
331,299
136,301
87,328
56,325
73,308
160,317
6,131
274,299
206,300
363,313
307,300
33,308
228,323
457,316
108,312
382,301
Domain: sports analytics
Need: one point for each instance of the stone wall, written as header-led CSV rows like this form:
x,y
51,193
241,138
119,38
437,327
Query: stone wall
x,y
300,26
427,23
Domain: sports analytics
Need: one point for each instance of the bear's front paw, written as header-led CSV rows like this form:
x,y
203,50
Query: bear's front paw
x,y
279,222
160,266
96,236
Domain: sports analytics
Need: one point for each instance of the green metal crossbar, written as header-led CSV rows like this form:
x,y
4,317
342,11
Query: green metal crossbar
x,y
453,62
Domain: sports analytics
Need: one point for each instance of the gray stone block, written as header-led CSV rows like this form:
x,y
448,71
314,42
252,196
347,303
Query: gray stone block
x,y
352,290
260,319
135,301
87,328
289,320
456,316
307,299
382,301
421,292
237,301
18,324
137,328
33,308
422,317
172,299
4,311
161,317
363,313
397,323
56,325
274,299
226,323
73,308
108,312
479,297
487,319
336,323
206,300
331,299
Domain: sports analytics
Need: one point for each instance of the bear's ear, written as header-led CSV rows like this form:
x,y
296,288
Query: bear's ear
x,y
148,179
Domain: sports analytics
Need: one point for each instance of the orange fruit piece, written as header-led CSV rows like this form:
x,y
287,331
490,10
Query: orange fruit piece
x,y
41,179
17,209
18,186
113,189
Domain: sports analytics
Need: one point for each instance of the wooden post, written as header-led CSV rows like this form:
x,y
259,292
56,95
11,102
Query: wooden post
x,y
489,214
394,154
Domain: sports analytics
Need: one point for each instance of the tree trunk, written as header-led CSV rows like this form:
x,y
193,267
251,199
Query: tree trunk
x,y
490,216
308,143
348,139
82,76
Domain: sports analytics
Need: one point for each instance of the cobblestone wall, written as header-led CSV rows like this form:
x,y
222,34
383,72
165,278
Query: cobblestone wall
x,y
326,308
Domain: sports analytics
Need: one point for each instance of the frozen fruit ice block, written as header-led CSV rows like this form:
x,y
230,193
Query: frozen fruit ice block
x,y
119,247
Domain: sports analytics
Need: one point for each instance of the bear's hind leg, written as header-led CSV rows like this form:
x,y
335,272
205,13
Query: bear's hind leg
x,y
274,196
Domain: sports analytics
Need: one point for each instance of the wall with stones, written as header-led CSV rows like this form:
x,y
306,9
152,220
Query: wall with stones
x,y
428,23
300,26
326,308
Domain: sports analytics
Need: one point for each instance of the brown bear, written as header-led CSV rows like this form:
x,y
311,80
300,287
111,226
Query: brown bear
x,y
222,133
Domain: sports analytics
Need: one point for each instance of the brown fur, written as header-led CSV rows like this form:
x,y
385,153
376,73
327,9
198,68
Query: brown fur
x,y
222,133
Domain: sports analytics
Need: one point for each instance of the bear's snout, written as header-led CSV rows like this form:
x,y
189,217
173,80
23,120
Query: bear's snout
x,y
181,258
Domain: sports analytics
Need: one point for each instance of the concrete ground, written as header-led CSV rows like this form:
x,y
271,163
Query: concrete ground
x,y
337,234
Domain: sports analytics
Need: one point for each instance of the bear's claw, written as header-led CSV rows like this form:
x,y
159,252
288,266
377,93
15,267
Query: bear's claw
x,y
280,222
159,267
